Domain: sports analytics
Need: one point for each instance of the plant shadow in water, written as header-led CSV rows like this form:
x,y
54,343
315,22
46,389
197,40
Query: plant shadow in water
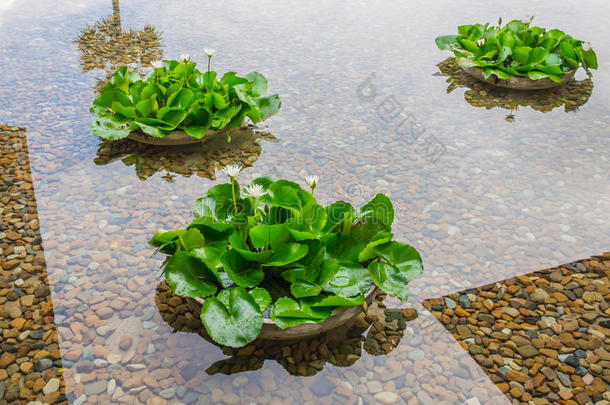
x,y
378,332
478,94
202,159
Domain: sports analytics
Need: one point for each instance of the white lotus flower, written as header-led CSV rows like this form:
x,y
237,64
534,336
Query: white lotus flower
x,y
586,46
312,181
527,19
255,191
209,51
157,64
232,170
185,57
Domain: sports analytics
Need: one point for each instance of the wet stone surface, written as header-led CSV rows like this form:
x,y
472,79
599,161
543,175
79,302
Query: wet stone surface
x,y
542,337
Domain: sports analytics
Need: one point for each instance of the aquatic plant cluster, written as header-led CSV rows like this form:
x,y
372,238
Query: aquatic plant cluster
x,y
518,49
175,95
270,250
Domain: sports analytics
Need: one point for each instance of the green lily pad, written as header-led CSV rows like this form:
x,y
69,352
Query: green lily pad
x,y
350,280
241,271
262,297
332,301
304,286
189,277
236,323
289,253
287,313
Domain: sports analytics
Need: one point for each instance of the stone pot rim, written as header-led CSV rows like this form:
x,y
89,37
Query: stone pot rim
x,y
174,138
518,82
340,317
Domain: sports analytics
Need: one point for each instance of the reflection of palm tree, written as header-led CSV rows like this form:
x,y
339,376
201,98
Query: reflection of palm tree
x,y
107,46
571,95
116,12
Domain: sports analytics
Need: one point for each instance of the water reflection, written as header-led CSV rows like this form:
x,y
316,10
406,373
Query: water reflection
x,y
201,159
378,332
571,96
490,208
107,46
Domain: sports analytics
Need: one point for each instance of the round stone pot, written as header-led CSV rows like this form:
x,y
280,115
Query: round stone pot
x,y
174,138
340,318
518,82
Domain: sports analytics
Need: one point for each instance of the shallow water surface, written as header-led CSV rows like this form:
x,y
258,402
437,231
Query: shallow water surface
x,y
483,193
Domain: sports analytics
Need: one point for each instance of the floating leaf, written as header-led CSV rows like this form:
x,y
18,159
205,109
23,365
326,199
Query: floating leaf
x,y
287,313
280,245
241,271
350,280
389,279
235,324
404,257
262,297
180,97
304,286
268,105
259,83
517,49
333,301
189,277
402,265
446,41
107,128
369,251
379,209
286,254
240,246
269,235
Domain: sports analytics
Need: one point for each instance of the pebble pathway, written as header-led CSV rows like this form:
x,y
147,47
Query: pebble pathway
x,y
543,337
29,353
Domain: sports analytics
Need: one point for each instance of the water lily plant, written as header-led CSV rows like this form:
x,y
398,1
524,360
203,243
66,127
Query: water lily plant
x,y
518,49
177,96
273,251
